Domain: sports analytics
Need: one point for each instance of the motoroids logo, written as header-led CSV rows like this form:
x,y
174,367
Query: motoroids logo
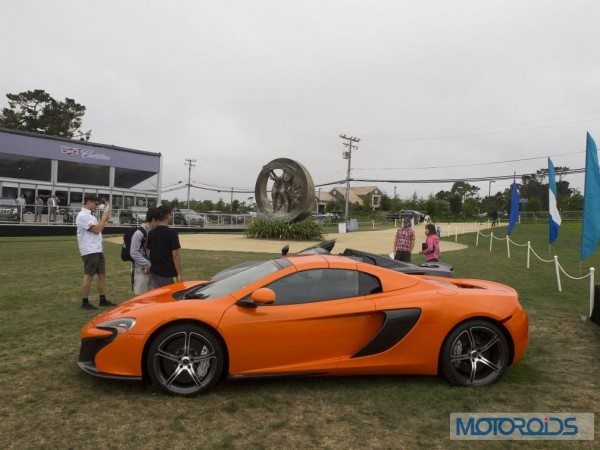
x,y
521,426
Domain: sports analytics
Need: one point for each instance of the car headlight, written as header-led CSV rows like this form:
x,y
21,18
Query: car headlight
x,y
14,211
119,325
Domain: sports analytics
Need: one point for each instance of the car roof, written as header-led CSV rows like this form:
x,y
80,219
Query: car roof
x,y
391,280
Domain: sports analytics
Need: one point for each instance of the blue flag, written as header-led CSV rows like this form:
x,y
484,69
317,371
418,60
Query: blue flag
x,y
590,233
554,220
514,208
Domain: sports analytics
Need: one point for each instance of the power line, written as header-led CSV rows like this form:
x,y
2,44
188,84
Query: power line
x,y
452,180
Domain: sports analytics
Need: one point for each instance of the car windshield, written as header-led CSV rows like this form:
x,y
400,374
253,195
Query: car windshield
x,y
76,205
188,212
237,281
8,201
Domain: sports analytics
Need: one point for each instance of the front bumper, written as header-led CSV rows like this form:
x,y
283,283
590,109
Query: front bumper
x,y
91,369
108,355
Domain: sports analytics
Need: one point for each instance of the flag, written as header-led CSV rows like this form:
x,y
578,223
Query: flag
x,y
554,221
590,233
514,208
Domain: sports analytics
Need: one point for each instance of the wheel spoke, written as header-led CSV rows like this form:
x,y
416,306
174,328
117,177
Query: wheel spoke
x,y
187,345
490,364
490,344
459,357
194,376
471,338
174,375
167,356
473,371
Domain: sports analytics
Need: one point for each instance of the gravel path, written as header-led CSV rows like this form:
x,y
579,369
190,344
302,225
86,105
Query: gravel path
x,y
380,241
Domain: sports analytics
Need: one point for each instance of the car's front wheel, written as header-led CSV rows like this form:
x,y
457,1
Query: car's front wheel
x,y
185,359
475,353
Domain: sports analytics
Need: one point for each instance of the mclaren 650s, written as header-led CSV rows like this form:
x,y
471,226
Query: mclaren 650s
x,y
308,315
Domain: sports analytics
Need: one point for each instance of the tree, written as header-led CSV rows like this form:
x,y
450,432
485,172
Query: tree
x,y
464,189
455,204
38,112
385,203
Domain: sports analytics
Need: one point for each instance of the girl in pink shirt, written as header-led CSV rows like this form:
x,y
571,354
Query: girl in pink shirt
x,y
431,248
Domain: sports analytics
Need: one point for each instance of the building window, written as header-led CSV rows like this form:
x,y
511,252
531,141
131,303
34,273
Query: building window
x,y
129,178
25,167
376,201
90,174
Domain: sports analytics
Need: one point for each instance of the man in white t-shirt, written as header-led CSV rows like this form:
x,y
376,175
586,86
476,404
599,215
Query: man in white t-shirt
x,y
89,239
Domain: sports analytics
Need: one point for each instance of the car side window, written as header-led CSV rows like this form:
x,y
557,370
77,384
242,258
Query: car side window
x,y
315,285
368,284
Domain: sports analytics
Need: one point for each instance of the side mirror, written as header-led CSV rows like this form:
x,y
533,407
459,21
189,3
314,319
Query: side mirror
x,y
263,296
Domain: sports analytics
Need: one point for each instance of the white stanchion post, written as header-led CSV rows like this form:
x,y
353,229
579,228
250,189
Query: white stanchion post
x,y
456,233
395,223
508,247
373,224
491,239
592,289
528,253
556,265
477,239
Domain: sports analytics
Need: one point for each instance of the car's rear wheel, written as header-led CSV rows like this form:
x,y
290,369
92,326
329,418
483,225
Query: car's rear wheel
x,y
185,359
475,353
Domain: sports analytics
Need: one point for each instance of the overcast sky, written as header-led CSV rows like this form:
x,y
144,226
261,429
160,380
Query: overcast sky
x,y
235,84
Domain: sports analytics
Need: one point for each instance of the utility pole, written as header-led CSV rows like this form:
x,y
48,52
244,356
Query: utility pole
x,y
347,154
395,209
231,202
190,164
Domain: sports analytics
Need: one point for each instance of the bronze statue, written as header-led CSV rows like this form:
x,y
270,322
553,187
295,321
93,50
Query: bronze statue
x,y
292,193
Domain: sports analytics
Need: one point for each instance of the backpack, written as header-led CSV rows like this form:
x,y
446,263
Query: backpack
x,y
126,247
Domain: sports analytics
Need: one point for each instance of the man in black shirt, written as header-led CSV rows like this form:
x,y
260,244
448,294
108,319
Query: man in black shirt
x,y
163,245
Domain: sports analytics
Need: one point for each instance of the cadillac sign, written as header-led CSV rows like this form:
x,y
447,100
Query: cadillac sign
x,y
84,153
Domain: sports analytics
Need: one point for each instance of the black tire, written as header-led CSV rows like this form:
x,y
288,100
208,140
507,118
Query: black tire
x,y
475,353
180,371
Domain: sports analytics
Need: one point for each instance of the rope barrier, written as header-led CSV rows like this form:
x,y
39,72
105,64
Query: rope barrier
x,y
518,245
557,267
538,256
571,277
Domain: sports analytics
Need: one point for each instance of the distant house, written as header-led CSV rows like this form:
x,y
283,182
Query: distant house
x,y
357,196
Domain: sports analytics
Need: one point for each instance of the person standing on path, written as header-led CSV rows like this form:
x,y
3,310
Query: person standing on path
x,y
431,247
404,241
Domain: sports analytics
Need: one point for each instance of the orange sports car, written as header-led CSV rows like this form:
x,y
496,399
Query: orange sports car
x,y
309,315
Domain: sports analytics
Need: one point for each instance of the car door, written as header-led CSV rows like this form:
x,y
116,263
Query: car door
x,y
317,318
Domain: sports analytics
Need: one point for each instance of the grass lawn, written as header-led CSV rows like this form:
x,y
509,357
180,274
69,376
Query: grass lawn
x,y
45,400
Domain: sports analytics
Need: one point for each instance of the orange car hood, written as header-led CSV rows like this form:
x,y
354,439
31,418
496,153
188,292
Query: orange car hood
x,y
156,296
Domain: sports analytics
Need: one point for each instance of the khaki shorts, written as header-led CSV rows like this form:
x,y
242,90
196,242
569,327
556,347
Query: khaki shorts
x,y
94,264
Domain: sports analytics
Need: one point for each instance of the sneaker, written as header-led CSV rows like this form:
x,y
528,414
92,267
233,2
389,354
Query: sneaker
x,y
106,303
88,306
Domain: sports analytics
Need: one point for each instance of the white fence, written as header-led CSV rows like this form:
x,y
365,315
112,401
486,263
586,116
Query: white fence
x,y
64,215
